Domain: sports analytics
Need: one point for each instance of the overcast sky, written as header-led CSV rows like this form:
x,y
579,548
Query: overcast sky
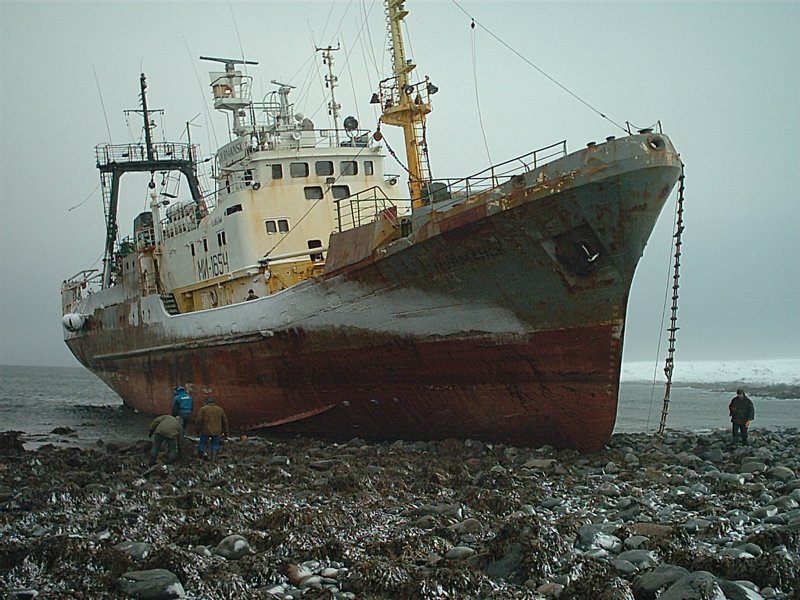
x,y
721,77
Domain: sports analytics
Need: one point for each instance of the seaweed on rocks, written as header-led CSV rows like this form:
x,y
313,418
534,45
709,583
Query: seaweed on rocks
x,y
525,548
417,520
768,570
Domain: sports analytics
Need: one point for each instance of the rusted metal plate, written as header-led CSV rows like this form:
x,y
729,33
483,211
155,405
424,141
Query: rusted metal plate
x,y
553,387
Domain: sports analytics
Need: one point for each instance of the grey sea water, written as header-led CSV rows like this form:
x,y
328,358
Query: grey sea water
x,y
83,410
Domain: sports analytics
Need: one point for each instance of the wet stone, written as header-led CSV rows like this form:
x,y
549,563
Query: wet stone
x,y
459,552
233,547
781,472
136,550
154,584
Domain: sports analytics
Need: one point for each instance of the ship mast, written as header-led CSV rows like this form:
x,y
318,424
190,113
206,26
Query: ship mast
x,y
406,105
331,83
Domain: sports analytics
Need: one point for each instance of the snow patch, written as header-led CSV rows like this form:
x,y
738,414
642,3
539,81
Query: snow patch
x,y
761,372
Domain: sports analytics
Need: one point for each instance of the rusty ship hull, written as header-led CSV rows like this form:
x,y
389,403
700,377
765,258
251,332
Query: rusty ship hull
x,y
501,318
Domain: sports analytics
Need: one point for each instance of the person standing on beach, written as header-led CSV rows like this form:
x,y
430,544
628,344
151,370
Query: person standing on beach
x,y
182,404
165,429
211,423
742,412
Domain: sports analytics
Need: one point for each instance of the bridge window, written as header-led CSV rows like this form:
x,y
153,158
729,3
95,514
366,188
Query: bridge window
x,y
233,209
277,226
298,169
313,192
221,239
348,167
277,171
248,177
192,247
324,167
340,191
205,245
369,167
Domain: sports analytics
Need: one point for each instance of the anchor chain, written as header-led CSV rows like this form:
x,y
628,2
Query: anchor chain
x,y
673,328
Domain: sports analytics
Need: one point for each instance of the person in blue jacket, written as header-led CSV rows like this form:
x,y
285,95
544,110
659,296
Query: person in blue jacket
x,y
182,405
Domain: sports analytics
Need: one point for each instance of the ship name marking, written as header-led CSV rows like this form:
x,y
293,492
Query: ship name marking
x,y
213,266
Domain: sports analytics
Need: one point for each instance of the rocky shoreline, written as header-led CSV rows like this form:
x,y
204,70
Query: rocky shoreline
x,y
691,517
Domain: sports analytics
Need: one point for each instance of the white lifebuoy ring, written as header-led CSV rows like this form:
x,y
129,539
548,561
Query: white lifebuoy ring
x,y
213,297
296,136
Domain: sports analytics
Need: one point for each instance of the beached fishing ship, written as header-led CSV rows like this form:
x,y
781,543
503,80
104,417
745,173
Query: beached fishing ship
x,y
307,296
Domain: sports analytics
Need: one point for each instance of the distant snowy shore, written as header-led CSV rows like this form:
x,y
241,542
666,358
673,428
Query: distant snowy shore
x,y
777,378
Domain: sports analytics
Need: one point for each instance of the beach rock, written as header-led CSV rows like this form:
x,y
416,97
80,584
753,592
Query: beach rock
x,y
466,526
233,547
639,558
541,464
550,590
10,442
648,585
136,550
753,467
635,541
459,552
652,530
781,472
594,537
27,594
155,584
298,573
700,585
739,590
324,465
202,551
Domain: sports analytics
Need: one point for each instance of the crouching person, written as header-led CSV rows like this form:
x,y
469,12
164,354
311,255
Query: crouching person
x,y
168,430
211,423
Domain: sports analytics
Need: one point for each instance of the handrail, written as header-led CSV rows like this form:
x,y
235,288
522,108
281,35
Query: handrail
x,y
491,176
84,276
132,153
362,208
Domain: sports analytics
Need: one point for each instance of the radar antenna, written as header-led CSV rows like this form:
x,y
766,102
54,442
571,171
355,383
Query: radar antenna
x,y
230,63
231,92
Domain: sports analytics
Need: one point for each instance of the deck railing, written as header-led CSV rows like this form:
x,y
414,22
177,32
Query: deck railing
x,y
363,207
495,175
131,153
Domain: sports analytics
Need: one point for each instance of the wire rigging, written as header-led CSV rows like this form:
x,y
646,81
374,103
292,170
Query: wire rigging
x,y
541,71
82,202
102,104
477,94
210,131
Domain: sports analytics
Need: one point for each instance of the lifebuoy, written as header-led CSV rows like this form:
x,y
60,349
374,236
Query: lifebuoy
x,y
213,297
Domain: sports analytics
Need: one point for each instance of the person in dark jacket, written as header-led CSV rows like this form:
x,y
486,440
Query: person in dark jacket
x,y
212,422
742,412
165,429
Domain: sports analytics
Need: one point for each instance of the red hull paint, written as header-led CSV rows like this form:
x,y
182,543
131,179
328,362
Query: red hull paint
x,y
553,387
